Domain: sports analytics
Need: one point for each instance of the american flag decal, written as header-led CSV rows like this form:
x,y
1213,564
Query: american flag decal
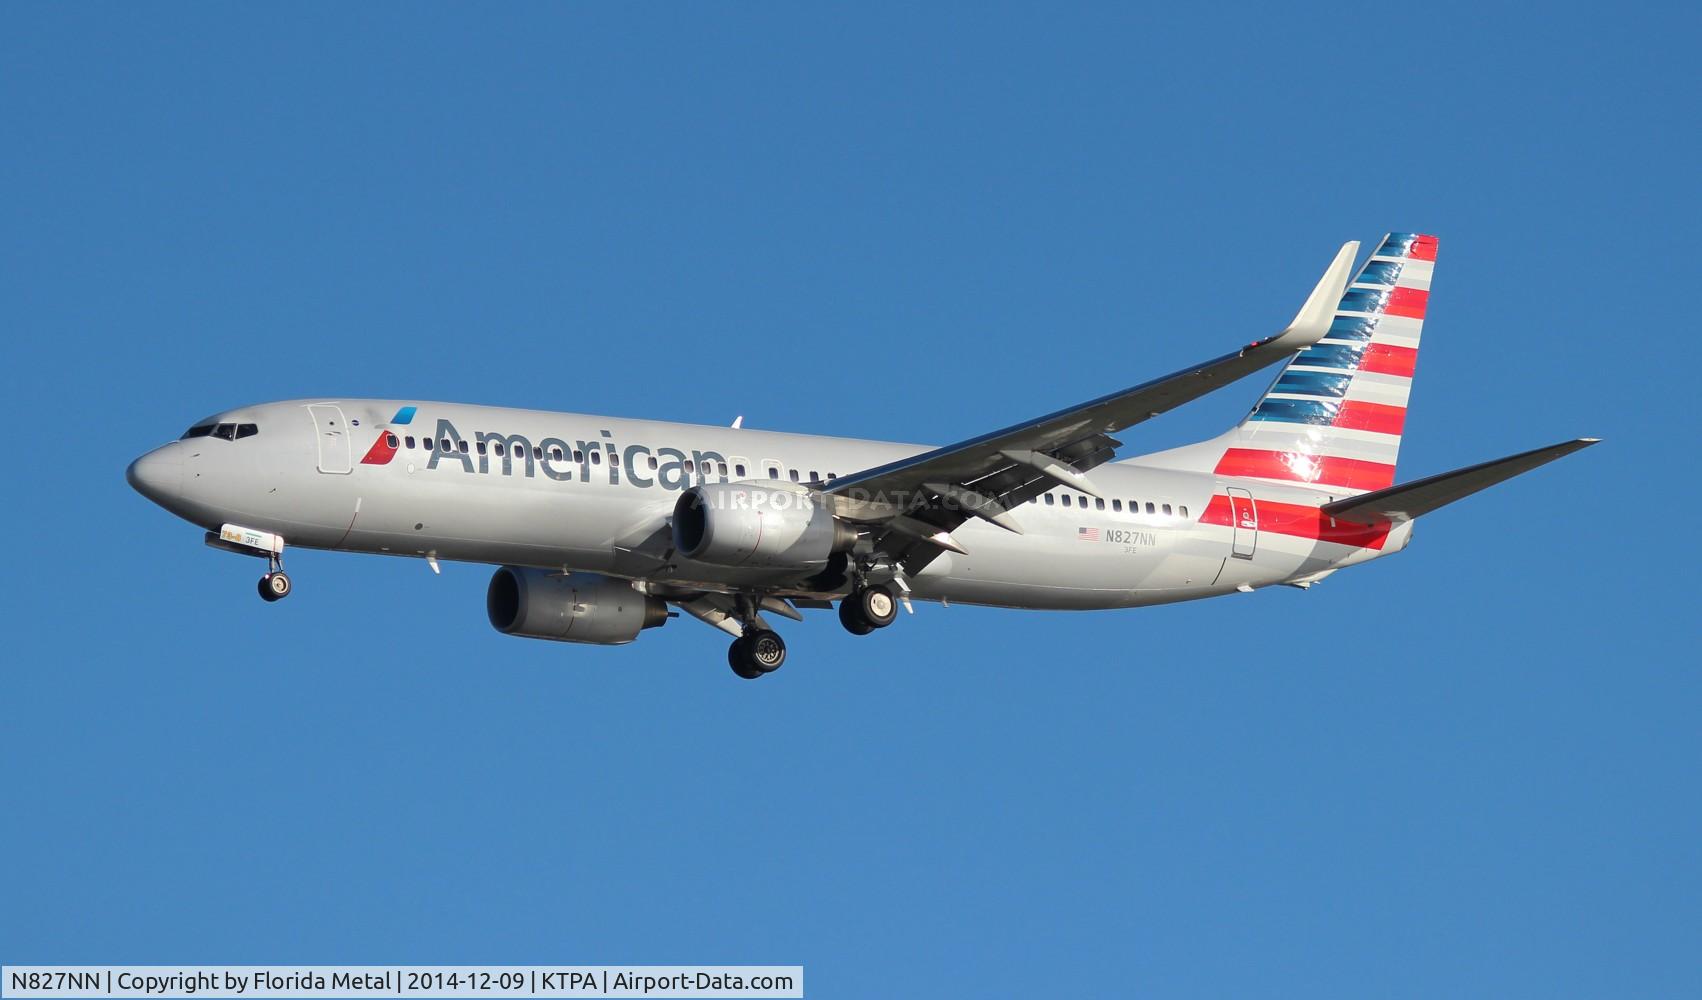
x,y
1087,534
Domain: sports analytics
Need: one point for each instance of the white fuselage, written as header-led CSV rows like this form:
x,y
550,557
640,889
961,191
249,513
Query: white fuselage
x,y
594,494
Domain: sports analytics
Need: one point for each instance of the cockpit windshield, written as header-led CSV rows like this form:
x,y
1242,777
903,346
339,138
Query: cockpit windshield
x,y
229,432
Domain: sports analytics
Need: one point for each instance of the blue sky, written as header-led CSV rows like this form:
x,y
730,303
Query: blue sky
x,y
1466,771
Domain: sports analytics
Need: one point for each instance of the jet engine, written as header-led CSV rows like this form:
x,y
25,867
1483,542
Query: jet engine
x,y
580,607
742,524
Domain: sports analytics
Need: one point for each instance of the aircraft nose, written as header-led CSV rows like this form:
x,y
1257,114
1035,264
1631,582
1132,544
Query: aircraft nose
x,y
158,475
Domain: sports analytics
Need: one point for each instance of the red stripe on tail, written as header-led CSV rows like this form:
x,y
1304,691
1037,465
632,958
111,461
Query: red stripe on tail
x,y
1388,359
1352,473
1382,418
1408,302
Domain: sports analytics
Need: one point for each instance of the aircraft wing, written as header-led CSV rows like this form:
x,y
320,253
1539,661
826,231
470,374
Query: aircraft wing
x,y
921,499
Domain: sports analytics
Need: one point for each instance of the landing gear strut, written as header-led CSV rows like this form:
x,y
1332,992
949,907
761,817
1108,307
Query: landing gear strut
x,y
759,651
868,608
275,586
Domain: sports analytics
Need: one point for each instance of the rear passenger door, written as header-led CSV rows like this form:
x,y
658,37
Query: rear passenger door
x,y
1244,516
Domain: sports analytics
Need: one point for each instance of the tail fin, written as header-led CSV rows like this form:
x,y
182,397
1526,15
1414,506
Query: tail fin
x,y
1334,416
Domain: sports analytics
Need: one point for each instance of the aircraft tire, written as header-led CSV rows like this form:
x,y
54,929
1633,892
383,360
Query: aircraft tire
x,y
853,619
876,605
764,650
275,587
740,663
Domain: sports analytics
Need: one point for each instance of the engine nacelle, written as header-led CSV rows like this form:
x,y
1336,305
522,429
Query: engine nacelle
x,y
580,607
745,524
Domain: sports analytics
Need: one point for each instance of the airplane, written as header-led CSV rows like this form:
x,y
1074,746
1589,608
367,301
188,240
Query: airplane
x,y
601,527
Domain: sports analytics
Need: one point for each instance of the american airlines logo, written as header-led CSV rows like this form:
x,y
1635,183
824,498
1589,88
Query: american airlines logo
x,y
553,457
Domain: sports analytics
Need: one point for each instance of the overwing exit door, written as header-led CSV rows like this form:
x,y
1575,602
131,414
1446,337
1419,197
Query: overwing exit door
x,y
1244,515
332,433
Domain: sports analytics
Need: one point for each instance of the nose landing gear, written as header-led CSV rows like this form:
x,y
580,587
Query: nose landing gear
x,y
275,586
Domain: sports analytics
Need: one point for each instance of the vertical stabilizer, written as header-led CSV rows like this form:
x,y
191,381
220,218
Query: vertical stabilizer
x,y
1334,417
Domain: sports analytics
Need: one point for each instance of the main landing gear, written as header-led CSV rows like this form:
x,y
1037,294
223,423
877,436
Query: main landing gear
x,y
868,608
759,651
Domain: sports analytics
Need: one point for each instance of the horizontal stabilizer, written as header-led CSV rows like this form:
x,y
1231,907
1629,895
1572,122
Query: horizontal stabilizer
x,y
1410,500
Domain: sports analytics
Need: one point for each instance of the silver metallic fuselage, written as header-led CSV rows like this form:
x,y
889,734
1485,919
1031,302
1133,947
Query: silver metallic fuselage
x,y
329,484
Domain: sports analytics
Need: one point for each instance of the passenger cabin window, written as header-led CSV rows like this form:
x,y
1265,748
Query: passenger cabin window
x,y
739,470
462,447
1117,506
794,474
773,473
1066,499
1049,500
1149,508
1098,504
409,440
555,453
596,457
482,448
428,443
1166,510
390,439
1183,511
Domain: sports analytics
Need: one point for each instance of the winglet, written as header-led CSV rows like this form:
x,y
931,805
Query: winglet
x,y
1313,320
